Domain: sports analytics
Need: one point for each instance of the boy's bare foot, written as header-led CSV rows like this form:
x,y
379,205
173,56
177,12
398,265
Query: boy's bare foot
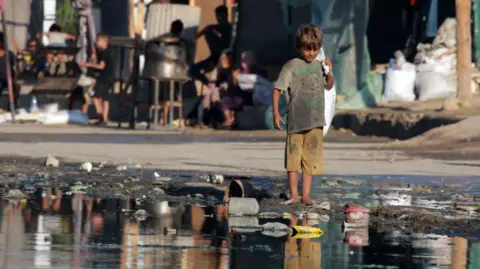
x,y
291,201
307,201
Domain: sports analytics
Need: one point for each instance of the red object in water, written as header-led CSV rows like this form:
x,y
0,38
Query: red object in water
x,y
413,2
357,214
357,209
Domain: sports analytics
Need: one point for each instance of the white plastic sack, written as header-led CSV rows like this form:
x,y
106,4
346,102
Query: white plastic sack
x,y
400,83
261,88
330,99
63,117
50,108
434,85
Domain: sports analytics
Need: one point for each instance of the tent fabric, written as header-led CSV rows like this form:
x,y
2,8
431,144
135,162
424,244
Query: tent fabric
x,y
17,20
344,24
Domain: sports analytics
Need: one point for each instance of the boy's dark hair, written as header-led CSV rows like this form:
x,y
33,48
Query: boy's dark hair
x,y
176,27
55,28
104,36
309,36
222,9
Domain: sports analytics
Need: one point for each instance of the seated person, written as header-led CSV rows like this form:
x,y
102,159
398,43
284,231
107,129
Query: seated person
x,y
30,56
249,66
57,38
54,65
231,96
218,38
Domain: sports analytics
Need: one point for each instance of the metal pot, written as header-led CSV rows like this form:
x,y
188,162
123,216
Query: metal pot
x,y
165,61
164,69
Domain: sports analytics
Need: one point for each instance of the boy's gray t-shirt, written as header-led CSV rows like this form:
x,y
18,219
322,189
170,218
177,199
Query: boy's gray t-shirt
x,y
305,83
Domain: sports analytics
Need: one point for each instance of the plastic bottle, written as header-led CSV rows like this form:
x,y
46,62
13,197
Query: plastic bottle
x,y
34,104
215,179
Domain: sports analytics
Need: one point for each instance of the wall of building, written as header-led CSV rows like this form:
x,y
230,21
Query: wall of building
x,y
207,17
17,18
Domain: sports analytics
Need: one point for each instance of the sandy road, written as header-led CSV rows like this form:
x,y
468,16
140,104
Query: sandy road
x,y
236,156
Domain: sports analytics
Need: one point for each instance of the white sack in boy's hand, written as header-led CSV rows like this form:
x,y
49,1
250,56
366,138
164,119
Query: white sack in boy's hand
x,y
330,97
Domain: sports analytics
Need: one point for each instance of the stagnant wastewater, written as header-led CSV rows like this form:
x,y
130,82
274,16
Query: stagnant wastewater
x,y
78,232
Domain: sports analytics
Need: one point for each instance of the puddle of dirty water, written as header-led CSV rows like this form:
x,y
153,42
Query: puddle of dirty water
x,y
78,232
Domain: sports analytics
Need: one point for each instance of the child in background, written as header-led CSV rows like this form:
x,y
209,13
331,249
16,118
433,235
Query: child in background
x,y
57,38
304,80
104,83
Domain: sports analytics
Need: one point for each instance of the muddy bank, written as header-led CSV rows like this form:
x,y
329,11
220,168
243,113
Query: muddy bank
x,y
459,141
394,205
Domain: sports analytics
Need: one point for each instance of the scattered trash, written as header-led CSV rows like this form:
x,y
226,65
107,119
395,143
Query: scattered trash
x,y
243,207
86,166
212,178
306,230
133,179
102,164
52,161
62,117
396,199
140,215
121,168
78,188
241,188
269,215
314,219
158,191
14,194
169,231
243,224
275,229
357,215
325,205
357,237
159,179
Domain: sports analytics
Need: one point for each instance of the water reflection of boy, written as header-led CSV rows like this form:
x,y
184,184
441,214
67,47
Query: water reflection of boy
x,y
301,253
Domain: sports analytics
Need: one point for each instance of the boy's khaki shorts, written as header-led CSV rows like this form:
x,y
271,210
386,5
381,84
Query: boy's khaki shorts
x,y
305,149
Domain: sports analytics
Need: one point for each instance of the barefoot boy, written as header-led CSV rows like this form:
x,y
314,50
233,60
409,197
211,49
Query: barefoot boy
x,y
304,79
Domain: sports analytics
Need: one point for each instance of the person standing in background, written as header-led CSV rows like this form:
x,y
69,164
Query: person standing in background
x,y
104,83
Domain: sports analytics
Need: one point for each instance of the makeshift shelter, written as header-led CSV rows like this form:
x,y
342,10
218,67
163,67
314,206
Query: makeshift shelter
x,y
360,33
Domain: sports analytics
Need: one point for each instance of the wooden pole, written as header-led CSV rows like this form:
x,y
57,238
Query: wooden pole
x,y
131,18
464,51
140,23
11,93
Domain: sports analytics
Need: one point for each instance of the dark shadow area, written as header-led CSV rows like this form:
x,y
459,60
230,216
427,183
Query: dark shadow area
x,y
389,124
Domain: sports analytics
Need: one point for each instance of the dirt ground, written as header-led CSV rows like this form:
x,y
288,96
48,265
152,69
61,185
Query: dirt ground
x,y
182,159
106,182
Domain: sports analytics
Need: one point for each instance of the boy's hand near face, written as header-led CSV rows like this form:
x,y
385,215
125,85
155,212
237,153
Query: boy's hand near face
x,y
329,76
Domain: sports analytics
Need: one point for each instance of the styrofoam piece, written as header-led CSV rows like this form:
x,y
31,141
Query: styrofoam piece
x,y
243,207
